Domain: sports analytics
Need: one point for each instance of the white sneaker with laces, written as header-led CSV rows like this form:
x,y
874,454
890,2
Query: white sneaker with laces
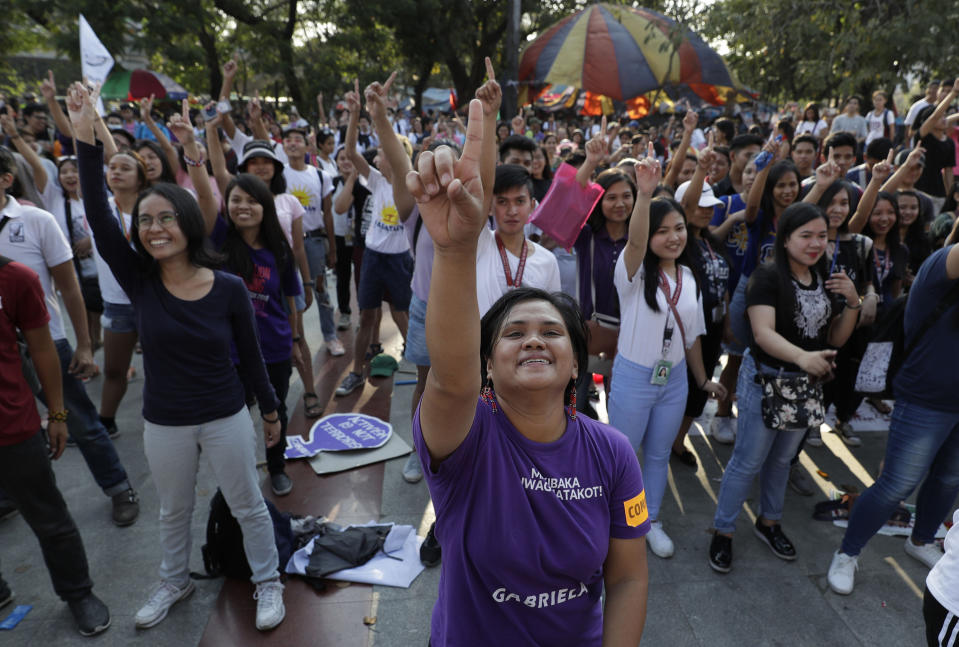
x,y
842,573
928,554
723,429
164,596
412,471
269,604
658,541
335,347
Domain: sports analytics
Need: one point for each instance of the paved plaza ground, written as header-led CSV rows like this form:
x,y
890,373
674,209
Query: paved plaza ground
x,y
764,601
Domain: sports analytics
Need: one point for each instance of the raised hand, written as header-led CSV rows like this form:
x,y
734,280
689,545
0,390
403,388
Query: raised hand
x,y
253,109
827,173
81,111
180,124
450,192
490,94
230,67
376,96
597,147
518,123
707,157
216,121
882,170
690,120
48,88
649,173
8,124
146,108
915,157
352,98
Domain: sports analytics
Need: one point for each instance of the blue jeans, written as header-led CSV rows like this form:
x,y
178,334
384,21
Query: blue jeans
x,y
650,416
921,441
316,258
738,321
84,426
759,450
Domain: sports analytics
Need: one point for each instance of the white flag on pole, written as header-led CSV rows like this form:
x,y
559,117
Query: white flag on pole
x,y
96,61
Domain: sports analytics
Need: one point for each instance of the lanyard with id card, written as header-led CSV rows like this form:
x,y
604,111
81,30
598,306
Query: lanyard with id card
x,y
663,367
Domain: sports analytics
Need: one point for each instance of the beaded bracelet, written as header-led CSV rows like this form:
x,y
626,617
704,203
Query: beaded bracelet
x,y
190,162
58,416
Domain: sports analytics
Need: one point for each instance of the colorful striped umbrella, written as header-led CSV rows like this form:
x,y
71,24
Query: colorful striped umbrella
x,y
131,85
623,53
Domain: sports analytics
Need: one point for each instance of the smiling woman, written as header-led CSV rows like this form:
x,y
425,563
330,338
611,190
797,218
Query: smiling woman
x,y
536,508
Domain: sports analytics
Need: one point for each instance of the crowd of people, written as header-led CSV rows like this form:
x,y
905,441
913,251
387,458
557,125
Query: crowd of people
x,y
519,258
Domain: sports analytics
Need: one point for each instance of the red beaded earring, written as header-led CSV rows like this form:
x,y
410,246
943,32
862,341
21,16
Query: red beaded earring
x,y
572,404
489,396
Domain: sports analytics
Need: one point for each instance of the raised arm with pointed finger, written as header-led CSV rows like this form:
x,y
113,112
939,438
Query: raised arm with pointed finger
x,y
146,113
912,161
826,174
352,99
777,150
215,150
376,96
9,128
596,149
491,96
704,162
676,164
880,173
450,197
930,123
49,91
648,174
181,127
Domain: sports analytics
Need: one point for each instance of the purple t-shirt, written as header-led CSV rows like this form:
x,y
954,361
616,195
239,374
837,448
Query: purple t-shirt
x,y
604,253
525,530
268,288
422,253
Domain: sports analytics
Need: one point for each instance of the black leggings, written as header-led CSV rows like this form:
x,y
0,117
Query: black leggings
x,y
939,622
344,267
279,374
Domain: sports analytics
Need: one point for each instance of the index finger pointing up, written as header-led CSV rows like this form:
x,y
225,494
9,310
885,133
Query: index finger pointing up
x,y
602,126
389,82
469,161
186,111
650,150
489,69
889,156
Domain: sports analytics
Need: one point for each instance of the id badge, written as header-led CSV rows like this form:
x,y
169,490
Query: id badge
x,y
661,371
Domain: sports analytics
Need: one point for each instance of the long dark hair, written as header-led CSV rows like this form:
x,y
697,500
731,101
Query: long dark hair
x,y
893,241
492,323
766,204
271,234
166,172
606,179
659,208
189,219
793,217
917,240
830,193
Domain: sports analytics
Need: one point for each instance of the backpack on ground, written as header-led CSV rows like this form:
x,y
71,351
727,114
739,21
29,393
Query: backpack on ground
x,y
223,552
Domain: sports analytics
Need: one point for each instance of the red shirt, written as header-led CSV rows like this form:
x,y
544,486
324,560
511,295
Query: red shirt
x,y
21,306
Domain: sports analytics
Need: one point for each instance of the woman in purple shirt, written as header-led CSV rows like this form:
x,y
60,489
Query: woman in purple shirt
x,y
187,316
537,508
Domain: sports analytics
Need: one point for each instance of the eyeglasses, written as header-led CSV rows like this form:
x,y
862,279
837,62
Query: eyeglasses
x,y
166,220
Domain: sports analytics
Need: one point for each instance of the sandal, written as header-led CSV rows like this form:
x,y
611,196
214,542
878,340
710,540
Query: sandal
x,y
312,410
879,406
685,457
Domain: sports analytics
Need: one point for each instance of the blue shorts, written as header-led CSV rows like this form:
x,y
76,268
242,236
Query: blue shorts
x,y
118,317
382,272
416,350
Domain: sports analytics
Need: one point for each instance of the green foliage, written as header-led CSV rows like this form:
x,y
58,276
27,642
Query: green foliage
x,y
819,49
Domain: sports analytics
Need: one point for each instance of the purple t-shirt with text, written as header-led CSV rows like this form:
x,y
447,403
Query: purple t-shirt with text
x,y
525,530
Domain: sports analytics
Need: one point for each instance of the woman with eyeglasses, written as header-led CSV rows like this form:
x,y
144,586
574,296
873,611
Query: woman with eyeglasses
x,y
188,317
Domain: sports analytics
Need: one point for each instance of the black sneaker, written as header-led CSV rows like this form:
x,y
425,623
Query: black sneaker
x,y
430,552
721,553
6,595
774,538
91,615
126,508
281,484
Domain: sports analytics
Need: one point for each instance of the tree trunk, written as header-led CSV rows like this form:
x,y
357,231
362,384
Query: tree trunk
x,y
208,42
420,86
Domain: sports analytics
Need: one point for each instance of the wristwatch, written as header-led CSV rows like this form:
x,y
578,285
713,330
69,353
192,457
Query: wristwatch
x,y
858,305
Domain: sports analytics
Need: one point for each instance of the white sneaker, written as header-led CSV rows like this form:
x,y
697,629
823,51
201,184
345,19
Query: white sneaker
x,y
163,597
658,541
723,429
814,439
412,471
269,604
842,573
335,347
344,323
928,554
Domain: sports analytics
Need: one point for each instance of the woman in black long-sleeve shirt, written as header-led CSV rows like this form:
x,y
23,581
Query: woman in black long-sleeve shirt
x,y
187,315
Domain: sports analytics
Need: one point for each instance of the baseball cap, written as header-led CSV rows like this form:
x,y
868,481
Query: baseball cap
x,y
706,198
383,365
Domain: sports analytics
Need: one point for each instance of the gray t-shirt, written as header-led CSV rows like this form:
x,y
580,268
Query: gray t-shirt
x,y
855,125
